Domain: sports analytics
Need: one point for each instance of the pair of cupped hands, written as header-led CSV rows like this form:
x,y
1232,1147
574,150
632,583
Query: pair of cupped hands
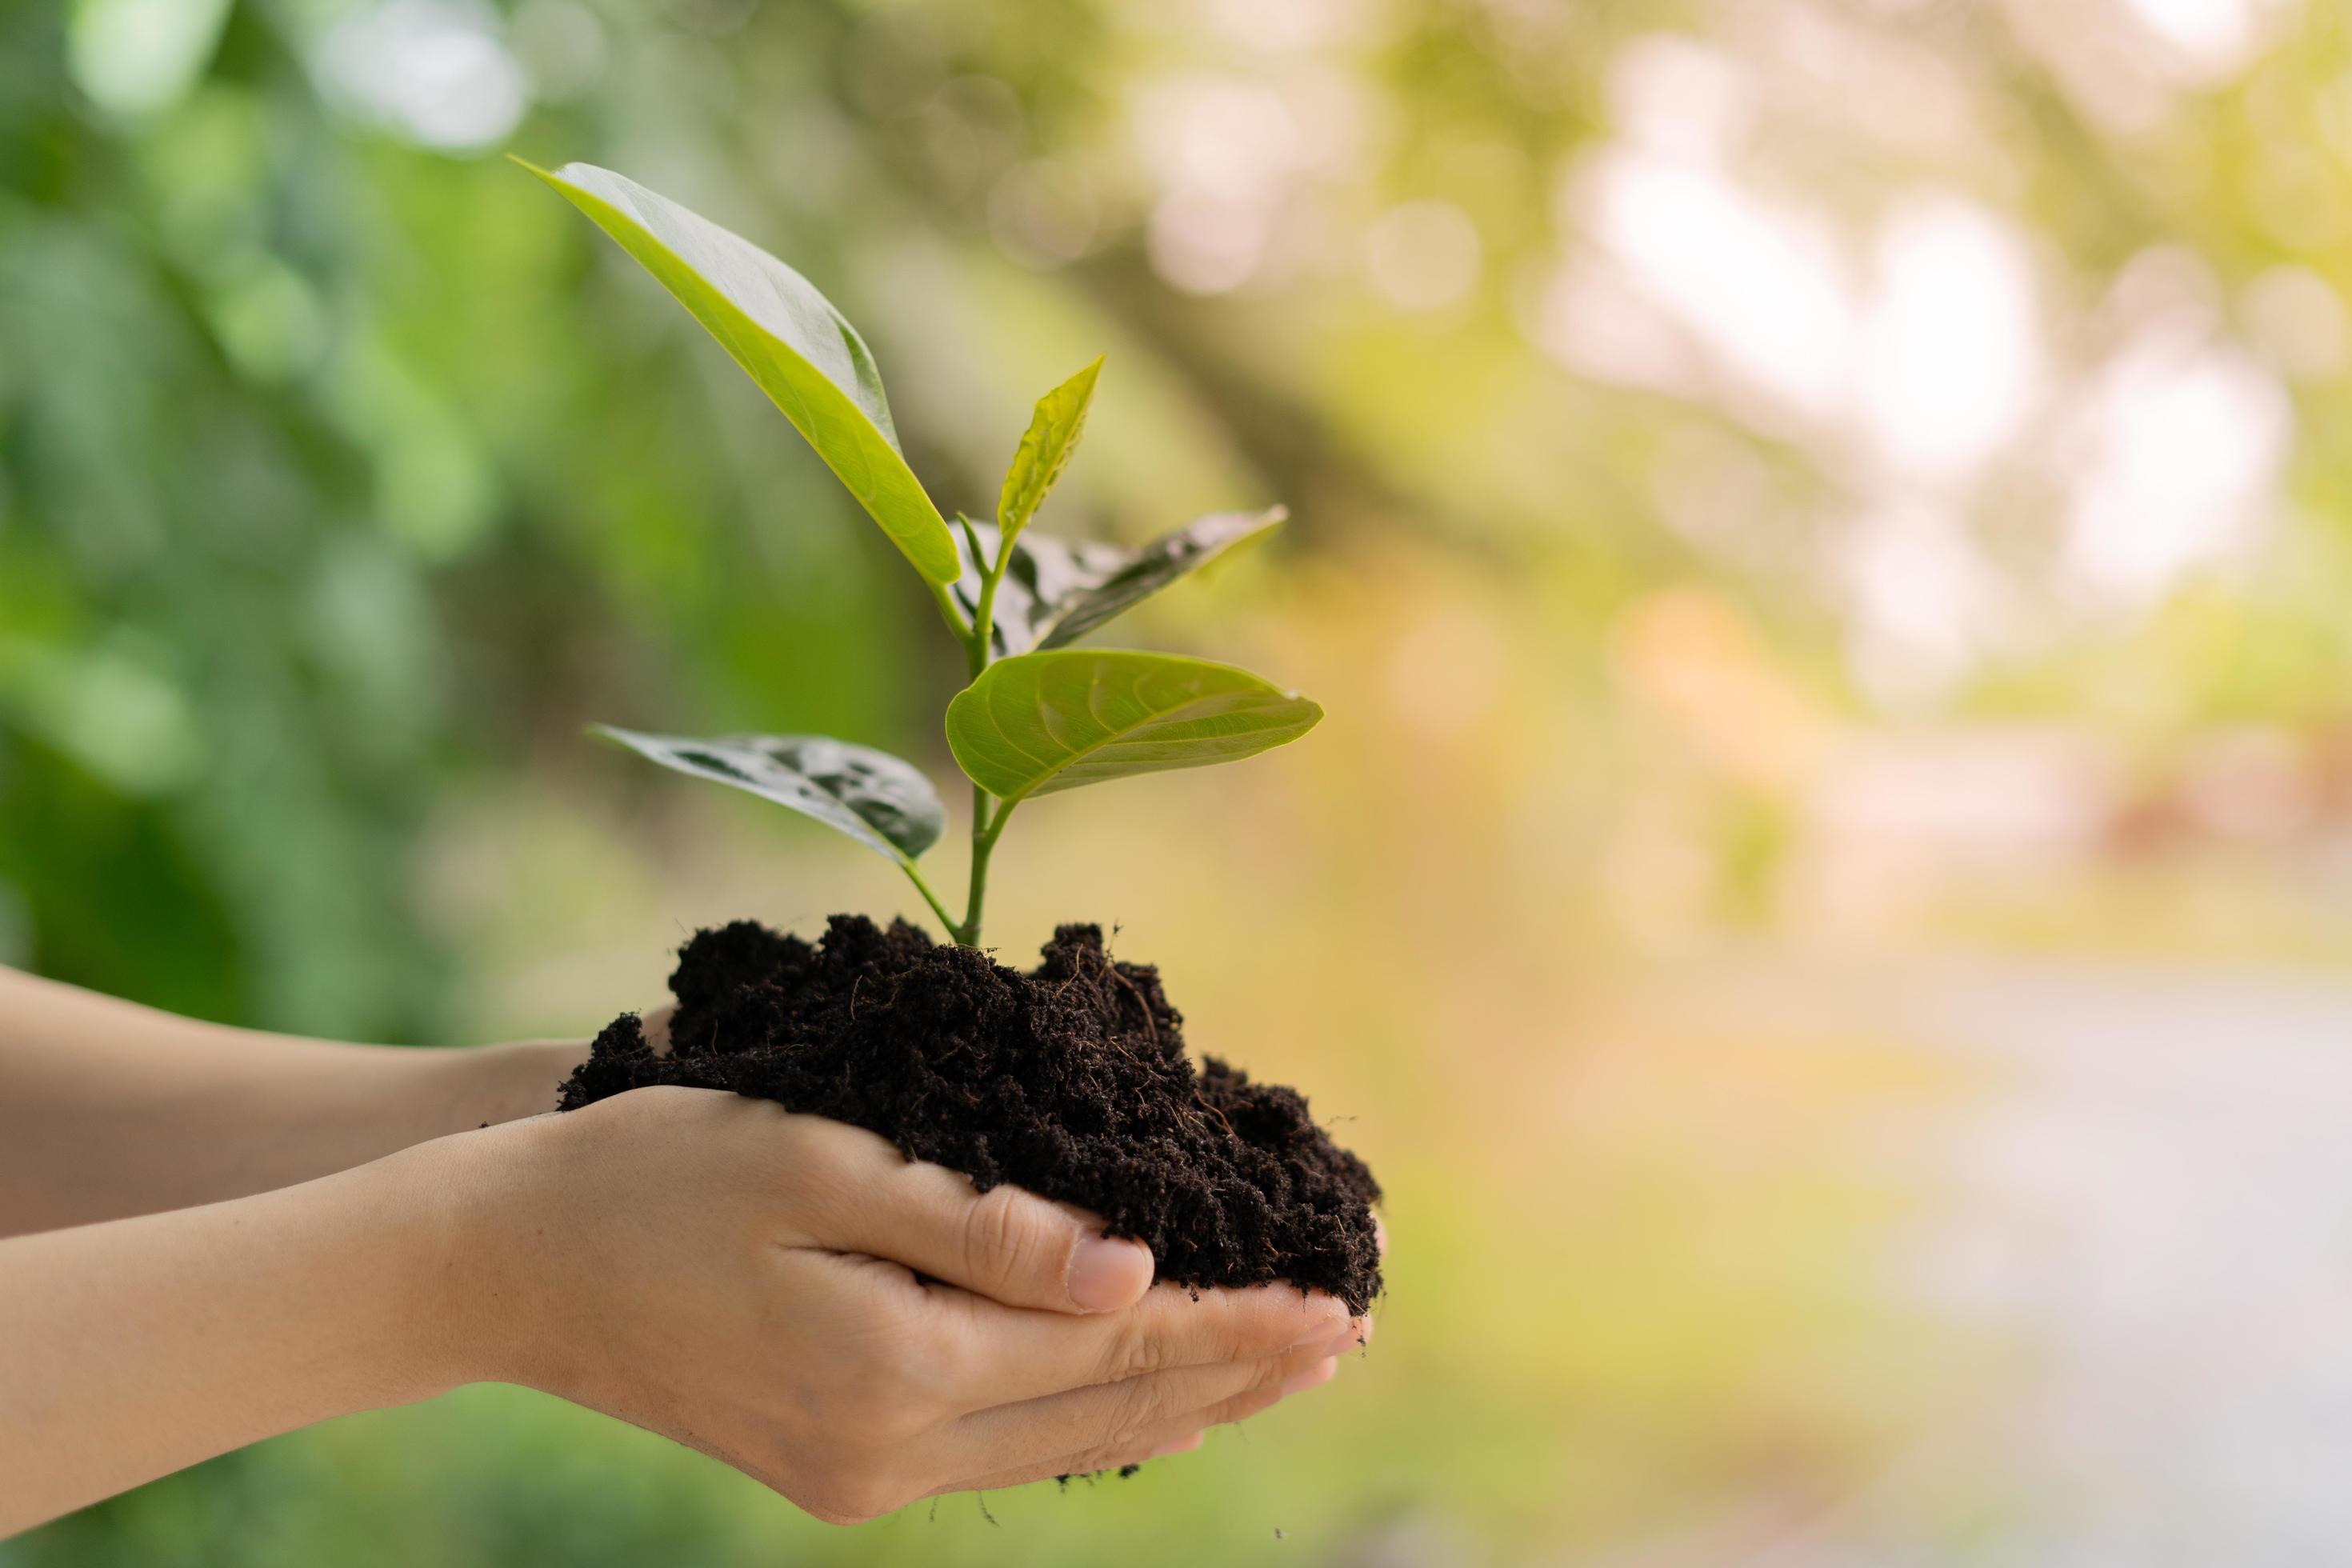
x,y
858,1331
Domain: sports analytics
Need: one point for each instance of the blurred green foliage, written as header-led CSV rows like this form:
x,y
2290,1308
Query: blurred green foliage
x,y
304,432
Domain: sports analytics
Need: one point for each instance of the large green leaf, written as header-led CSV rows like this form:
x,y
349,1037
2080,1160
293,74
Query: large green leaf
x,y
1053,435
791,340
882,802
1056,590
1040,722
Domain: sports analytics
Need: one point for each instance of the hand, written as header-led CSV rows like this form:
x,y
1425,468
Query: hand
x,y
743,1279
488,1086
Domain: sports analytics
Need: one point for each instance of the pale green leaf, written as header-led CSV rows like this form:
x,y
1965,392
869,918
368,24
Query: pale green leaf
x,y
884,802
1053,435
1154,567
1040,722
1055,590
787,336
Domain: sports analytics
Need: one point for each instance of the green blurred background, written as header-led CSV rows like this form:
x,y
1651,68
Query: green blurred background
x,y
1820,526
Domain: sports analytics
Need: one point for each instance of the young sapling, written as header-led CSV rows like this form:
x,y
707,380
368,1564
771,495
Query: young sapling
x,y
1039,715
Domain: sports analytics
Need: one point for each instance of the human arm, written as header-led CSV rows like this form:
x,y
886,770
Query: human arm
x,y
112,1109
705,1266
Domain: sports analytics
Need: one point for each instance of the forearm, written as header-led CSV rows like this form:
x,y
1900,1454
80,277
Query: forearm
x,y
109,1110
131,1348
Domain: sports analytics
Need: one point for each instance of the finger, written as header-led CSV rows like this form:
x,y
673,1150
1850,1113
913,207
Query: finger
x,y
1003,1355
1113,1418
1181,1437
1178,1437
1007,1245
1092,1462
1070,1467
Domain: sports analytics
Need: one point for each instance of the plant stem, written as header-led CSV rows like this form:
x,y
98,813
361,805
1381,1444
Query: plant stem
x,y
979,646
928,896
984,833
982,644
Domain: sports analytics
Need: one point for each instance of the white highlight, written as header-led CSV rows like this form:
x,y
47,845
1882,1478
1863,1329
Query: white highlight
x,y
1759,284
2185,438
1951,351
433,71
136,56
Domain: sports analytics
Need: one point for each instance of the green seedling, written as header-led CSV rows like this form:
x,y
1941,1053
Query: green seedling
x,y
1039,715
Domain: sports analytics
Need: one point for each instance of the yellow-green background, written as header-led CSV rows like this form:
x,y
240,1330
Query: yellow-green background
x,y
1637,911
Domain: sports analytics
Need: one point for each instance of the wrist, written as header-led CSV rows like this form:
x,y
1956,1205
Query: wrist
x,y
429,1207
492,1085
484,1252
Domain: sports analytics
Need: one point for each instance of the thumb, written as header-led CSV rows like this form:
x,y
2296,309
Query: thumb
x,y
1007,1244
1013,1246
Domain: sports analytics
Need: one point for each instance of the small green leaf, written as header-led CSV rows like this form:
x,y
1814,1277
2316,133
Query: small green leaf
x,y
882,802
787,336
1040,722
1155,566
1045,448
968,543
1055,590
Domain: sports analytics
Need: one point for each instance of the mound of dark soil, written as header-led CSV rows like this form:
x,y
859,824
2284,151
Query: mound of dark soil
x,y
1070,1080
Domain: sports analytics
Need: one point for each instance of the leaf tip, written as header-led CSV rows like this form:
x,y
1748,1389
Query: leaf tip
x,y
1081,386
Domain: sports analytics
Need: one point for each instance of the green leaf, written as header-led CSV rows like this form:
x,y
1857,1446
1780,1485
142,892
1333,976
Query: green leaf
x,y
882,802
1154,567
1055,590
791,340
1040,722
1053,435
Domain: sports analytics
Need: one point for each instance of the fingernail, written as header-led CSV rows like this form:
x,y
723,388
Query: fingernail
x,y
1321,1334
1314,1376
1182,1446
1108,1274
1353,1334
